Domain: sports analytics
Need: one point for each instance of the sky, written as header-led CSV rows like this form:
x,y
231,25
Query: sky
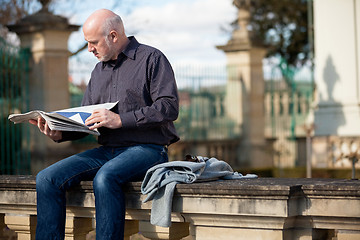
x,y
186,31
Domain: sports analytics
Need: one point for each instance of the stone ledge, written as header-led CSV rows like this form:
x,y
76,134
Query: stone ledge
x,y
278,207
222,187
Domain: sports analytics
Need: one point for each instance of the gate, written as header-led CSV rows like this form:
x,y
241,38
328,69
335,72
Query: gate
x,y
14,139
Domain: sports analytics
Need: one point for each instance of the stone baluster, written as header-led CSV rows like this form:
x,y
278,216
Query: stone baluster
x,y
23,225
2,227
131,227
347,235
77,228
177,230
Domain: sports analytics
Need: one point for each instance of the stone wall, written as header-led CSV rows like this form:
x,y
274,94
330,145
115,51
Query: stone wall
x,y
264,208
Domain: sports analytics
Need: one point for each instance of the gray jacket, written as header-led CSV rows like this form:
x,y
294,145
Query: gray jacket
x,y
160,181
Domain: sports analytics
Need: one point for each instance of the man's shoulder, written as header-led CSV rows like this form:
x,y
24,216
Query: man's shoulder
x,y
147,49
98,66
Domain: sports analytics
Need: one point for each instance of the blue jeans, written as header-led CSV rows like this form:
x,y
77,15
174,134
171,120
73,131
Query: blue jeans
x,y
109,168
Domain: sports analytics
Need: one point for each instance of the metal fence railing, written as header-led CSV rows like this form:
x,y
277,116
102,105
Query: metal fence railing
x,y
207,116
202,107
14,139
287,100
202,91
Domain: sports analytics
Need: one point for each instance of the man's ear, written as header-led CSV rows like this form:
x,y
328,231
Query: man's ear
x,y
114,36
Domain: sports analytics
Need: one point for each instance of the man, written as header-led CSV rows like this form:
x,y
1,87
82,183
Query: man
x,y
134,135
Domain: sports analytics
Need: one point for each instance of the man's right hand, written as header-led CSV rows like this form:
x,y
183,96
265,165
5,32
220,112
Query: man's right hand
x,y
44,128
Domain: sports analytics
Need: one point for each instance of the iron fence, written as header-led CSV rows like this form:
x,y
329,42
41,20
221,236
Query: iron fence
x,y
14,139
288,97
204,117
202,111
202,91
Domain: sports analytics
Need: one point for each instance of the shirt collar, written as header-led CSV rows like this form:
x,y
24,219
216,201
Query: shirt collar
x,y
129,52
131,48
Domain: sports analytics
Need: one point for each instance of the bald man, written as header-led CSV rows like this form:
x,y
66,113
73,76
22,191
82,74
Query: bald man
x,y
134,135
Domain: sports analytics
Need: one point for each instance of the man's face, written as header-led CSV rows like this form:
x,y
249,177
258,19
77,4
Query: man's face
x,y
103,50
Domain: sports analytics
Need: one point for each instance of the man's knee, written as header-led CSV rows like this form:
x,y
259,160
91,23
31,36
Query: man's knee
x,y
43,179
106,179
101,180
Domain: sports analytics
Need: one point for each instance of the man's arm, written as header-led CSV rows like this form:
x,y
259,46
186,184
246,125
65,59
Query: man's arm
x,y
164,96
164,105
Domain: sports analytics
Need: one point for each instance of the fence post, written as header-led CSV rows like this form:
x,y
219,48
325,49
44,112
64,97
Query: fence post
x,y
46,35
245,94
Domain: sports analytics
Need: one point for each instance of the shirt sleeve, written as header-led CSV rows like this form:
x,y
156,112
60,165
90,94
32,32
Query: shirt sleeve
x,y
164,95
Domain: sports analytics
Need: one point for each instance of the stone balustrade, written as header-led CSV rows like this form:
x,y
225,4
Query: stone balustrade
x,y
264,208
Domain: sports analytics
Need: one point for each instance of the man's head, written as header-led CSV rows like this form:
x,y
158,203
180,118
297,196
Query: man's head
x,y
104,32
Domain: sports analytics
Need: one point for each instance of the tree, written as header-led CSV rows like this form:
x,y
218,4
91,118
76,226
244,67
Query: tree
x,y
282,26
13,10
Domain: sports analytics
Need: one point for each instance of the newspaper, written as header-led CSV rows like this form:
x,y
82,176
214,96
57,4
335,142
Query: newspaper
x,y
71,119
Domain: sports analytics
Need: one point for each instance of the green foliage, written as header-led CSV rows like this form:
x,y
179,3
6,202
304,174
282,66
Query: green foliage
x,y
281,26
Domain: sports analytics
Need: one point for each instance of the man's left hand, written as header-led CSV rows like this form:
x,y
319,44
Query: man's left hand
x,y
103,118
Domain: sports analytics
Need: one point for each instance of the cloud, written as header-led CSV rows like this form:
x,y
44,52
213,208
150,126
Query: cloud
x,y
184,30
187,31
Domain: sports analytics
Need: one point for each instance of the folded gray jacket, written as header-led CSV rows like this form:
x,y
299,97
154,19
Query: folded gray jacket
x,y
160,181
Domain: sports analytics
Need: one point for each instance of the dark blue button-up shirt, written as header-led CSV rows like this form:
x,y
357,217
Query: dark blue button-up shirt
x,y
143,82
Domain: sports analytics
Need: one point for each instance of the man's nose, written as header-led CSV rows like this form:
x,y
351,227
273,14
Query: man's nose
x,y
90,47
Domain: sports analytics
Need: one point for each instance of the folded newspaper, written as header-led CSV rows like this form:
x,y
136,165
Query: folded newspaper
x,y
71,119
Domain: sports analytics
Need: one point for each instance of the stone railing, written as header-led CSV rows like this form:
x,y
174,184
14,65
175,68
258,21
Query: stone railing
x,y
264,208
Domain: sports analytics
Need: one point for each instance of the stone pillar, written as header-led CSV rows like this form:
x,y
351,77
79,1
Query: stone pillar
x,y
245,94
337,73
46,35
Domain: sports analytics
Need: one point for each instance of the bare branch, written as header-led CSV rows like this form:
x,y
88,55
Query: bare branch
x,y
79,50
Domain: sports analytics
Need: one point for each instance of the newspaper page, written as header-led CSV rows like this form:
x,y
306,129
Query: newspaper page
x,y
71,119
